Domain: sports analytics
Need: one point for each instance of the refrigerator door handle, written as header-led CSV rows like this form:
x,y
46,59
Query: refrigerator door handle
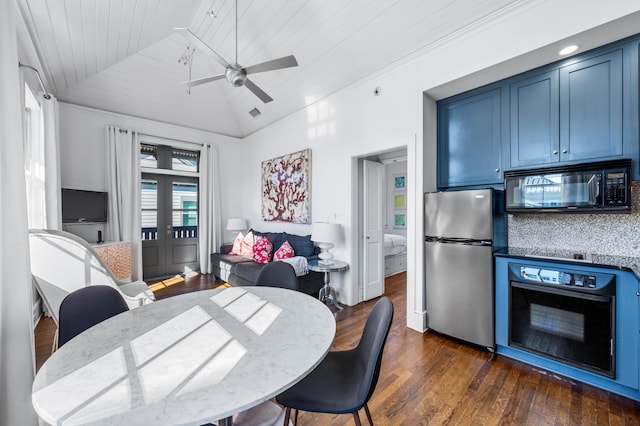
x,y
464,241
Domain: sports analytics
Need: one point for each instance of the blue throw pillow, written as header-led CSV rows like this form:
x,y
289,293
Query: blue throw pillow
x,y
302,245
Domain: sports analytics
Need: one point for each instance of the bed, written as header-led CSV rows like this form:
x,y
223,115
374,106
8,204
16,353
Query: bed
x,y
395,254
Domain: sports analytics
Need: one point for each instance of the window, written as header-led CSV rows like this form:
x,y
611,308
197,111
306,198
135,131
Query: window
x,y
168,158
34,161
186,161
148,156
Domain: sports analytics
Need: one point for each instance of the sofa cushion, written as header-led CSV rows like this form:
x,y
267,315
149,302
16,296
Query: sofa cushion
x,y
248,270
302,245
276,238
284,252
228,260
262,250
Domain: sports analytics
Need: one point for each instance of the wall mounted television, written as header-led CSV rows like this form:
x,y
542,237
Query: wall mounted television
x,y
80,206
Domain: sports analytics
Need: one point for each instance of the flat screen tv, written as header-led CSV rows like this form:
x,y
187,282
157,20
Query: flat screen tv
x,y
79,206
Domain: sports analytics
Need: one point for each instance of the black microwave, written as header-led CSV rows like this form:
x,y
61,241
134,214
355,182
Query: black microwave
x,y
603,187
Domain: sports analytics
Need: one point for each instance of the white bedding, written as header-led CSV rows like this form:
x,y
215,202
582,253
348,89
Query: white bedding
x,y
394,244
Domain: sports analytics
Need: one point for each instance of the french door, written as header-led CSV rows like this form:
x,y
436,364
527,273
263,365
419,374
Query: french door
x,y
169,224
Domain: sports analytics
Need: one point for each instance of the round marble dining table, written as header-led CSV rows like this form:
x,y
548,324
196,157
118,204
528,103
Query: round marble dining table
x,y
186,360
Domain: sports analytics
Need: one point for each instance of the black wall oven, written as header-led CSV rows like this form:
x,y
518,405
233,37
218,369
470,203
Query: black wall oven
x,y
566,315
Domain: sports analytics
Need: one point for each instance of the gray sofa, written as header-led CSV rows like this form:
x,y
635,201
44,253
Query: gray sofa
x,y
243,271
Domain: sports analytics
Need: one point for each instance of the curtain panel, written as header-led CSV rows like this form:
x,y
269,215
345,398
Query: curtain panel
x,y
123,183
53,202
210,235
17,362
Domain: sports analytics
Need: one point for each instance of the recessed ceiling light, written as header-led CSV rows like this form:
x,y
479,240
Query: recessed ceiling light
x,y
568,50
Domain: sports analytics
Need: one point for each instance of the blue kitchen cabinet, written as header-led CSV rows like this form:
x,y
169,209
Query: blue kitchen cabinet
x,y
535,119
591,99
573,113
469,138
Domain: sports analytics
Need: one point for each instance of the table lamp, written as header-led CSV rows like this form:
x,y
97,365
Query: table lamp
x,y
326,235
236,224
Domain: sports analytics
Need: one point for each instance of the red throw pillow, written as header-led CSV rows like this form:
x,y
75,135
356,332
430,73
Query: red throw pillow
x,y
284,252
237,244
247,245
262,250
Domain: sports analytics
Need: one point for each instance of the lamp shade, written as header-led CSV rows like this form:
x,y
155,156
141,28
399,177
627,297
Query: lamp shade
x,y
324,232
236,224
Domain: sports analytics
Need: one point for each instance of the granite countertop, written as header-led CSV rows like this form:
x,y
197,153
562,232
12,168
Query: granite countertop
x,y
626,263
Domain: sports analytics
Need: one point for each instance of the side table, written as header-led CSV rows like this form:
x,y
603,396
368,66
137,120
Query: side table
x,y
327,293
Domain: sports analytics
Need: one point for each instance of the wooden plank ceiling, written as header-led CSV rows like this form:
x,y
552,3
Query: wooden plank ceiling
x,y
123,55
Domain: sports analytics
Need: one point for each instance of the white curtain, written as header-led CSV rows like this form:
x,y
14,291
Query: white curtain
x,y
209,223
16,323
41,151
123,180
51,161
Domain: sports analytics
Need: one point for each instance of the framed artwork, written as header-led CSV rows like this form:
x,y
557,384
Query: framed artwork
x,y
399,182
399,220
286,188
399,201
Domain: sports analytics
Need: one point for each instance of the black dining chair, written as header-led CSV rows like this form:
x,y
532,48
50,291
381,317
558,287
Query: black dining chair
x,y
278,274
345,380
86,307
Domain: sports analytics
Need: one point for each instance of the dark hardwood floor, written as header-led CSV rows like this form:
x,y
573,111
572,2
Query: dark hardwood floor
x,y
427,379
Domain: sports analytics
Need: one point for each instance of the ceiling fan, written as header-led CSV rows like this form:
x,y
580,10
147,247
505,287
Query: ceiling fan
x,y
234,73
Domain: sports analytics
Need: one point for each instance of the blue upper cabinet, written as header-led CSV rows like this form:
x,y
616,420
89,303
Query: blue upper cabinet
x,y
535,119
591,108
585,108
570,114
469,139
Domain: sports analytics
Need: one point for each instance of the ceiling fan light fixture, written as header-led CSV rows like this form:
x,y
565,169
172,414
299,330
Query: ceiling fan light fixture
x,y
236,75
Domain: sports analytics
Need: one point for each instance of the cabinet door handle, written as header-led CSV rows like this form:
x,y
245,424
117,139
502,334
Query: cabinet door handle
x,y
564,151
555,152
497,170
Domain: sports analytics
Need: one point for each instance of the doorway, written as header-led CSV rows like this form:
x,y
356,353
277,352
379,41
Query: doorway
x,y
382,207
169,224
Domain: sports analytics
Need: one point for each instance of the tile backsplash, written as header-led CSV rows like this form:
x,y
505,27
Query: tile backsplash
x,y
602,234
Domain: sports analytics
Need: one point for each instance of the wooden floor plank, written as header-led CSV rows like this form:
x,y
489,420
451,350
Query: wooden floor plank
x,y
430,379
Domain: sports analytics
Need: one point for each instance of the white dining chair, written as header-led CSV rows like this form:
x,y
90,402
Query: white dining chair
x,y
62,263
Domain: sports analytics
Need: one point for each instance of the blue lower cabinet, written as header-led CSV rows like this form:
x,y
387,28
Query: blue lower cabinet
x,y
575,320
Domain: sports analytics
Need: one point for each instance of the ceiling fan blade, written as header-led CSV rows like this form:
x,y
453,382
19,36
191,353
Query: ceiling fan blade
x,y
186,33
275,64
203,80
257,91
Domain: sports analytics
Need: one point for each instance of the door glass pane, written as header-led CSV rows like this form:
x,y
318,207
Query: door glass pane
x,y
149,204
184,215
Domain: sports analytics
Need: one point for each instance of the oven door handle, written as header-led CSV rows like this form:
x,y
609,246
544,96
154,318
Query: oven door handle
x,y
562,292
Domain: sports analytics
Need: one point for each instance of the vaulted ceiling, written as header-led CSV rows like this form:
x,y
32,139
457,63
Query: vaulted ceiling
x,y
125,56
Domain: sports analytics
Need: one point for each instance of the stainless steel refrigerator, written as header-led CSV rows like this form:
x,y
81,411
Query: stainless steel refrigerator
x,y
462,230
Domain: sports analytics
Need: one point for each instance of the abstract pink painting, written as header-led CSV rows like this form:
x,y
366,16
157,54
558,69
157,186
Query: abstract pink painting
x,y
286,195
